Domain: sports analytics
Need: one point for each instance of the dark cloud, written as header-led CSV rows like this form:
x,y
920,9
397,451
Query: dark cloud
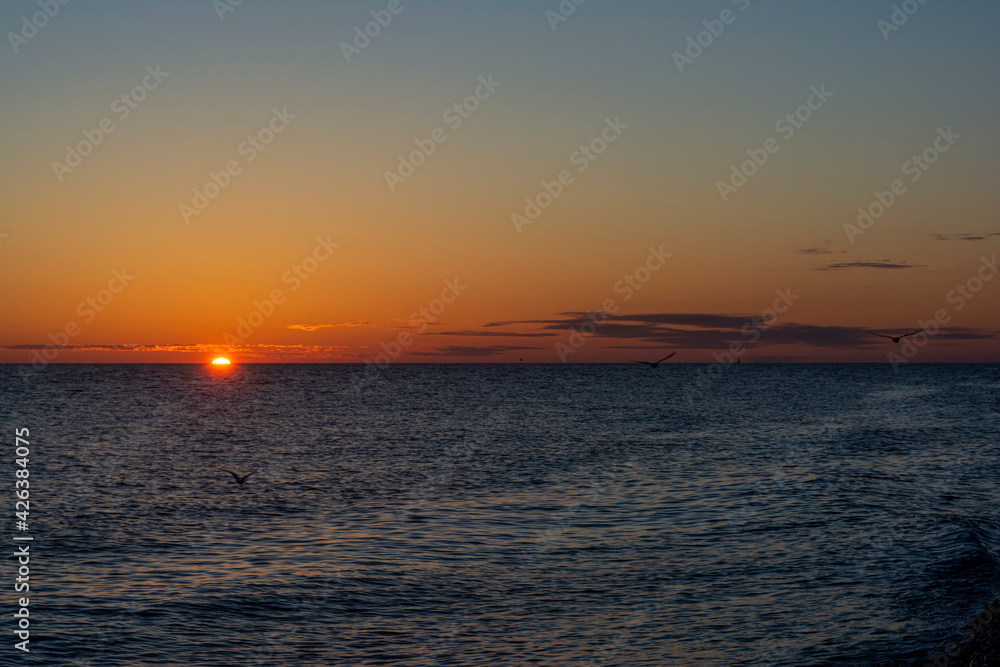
x,y
714,331
493,334
701,320
965,333
575,319
824,248
470,351
504,324
415,324
789,333
964,237
878,264
32,347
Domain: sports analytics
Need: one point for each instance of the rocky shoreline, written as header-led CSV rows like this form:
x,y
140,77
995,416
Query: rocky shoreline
x,y
980,648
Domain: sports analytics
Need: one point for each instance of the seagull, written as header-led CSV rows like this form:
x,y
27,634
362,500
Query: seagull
x,y
240,480
654,364
895,339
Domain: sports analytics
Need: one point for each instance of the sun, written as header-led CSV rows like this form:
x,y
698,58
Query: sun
x,y
221,361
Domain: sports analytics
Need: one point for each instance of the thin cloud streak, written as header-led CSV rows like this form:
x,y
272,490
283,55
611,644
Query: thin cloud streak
x,y
493,334
317,327
713,331
964,237
878,264
825,248
470,351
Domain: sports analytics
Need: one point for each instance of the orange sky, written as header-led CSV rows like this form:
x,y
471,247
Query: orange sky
x,y
307,213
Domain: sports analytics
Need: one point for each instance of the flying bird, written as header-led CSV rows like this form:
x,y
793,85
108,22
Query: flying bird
x,y
654,364
240,480
895,339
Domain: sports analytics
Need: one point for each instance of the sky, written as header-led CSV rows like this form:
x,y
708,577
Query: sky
x,y
499,181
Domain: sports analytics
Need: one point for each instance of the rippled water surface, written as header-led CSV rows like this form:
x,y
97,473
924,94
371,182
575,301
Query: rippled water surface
x,y
784,515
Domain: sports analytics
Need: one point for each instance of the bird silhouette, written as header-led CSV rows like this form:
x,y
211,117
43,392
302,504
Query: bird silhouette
x,y
895,339
654,364
240,480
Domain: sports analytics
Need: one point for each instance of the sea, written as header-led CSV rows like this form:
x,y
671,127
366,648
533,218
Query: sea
x,y
786,515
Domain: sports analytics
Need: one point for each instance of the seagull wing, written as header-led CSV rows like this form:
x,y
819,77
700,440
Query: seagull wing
x,y
249,473
879,335
666,357
648,363
235,476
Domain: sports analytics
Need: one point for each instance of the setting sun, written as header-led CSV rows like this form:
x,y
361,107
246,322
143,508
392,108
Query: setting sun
x,y
221,361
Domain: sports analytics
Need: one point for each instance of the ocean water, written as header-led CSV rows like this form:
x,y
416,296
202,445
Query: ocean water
x,y
785,515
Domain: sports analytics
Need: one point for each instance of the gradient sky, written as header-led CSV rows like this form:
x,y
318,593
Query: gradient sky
x,y
323,176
